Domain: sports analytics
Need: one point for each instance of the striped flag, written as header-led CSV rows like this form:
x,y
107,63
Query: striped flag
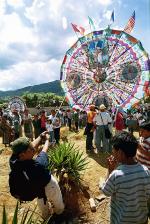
x,y
130,25
78,29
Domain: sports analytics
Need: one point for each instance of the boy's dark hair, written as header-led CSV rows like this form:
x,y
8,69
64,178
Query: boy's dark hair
x,y
125,142
145,126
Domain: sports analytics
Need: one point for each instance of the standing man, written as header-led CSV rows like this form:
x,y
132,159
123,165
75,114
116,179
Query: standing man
x,y
27,124
90,128
119,122
56,125
76,119
16,121
101,121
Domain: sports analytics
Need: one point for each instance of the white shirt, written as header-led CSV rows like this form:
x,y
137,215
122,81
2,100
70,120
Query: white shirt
x,y
55,121
49,127
69,115
104,120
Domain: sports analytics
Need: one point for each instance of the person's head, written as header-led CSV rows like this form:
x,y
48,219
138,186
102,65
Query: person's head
x,y
124,146
36,116
53,112
49,121
43,112
130,116
102,107
145,129
15,111
23,148
26,111
5,116
141,118
92,107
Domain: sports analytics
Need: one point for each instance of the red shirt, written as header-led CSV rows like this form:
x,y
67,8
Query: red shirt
x,y
43,121
119,123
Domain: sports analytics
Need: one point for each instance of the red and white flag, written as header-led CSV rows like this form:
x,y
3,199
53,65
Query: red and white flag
x,y
130,25
78,29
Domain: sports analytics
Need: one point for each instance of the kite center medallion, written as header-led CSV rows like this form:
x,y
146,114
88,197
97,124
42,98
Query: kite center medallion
x,y
100,75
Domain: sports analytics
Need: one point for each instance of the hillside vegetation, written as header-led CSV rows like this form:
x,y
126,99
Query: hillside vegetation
x,y
50,87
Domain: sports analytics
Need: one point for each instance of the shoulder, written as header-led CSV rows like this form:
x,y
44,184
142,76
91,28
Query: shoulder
x,y
42,158
147,140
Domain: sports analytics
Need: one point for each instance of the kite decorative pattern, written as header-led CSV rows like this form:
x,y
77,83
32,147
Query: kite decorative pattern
x,y
106,65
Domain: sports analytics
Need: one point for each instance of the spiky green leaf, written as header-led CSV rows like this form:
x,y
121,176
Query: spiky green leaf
x,y
4,217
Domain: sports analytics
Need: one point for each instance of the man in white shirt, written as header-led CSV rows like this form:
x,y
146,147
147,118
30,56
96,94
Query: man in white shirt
x,y
101,121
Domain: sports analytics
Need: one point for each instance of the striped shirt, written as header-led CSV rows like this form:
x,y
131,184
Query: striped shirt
x,y
143,152
129,188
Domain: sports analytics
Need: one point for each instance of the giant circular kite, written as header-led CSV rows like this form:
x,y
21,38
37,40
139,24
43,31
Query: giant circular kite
x,y
106,66
16,103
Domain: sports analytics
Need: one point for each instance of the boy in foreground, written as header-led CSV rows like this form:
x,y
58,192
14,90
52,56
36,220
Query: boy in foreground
x,y
127,183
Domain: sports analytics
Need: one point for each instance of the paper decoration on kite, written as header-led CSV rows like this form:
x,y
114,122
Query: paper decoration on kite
x,y
106,66
16,103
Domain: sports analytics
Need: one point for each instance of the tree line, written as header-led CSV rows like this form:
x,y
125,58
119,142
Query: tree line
x,y
38,99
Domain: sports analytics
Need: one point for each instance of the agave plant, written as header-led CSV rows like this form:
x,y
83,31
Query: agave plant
x,y
67,161
25,218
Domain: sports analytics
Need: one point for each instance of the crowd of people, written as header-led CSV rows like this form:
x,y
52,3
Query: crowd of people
x,y
128,179
14,124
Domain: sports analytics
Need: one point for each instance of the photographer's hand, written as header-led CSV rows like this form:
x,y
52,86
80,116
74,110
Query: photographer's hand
x,y
46,145
112,164
43,134
37,141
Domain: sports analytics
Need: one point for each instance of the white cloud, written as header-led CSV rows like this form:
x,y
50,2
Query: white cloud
x,y
70,41
107,14
26,73
40,4
45,10
105,2
2,7
12,31
64,23
15,3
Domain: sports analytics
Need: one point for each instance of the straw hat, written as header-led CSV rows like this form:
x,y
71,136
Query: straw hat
x,y
92,106
102,107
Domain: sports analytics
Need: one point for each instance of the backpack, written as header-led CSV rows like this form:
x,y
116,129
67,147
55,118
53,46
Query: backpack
x,y
23,188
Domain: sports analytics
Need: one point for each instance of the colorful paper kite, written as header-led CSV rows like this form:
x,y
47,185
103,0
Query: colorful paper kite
x,y
106,66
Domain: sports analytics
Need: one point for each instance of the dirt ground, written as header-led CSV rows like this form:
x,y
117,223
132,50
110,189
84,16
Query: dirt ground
x,y
96,169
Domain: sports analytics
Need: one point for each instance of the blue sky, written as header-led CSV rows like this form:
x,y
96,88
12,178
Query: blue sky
x,y
35,34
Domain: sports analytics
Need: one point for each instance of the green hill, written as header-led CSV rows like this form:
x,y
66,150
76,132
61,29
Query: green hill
x,y
52,87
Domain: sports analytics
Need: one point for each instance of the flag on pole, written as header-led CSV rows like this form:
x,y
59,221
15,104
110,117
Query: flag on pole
x,y
112,18
78,29
92,26
130,25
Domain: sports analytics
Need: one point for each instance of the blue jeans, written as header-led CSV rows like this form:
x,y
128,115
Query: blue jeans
x,y
51,133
